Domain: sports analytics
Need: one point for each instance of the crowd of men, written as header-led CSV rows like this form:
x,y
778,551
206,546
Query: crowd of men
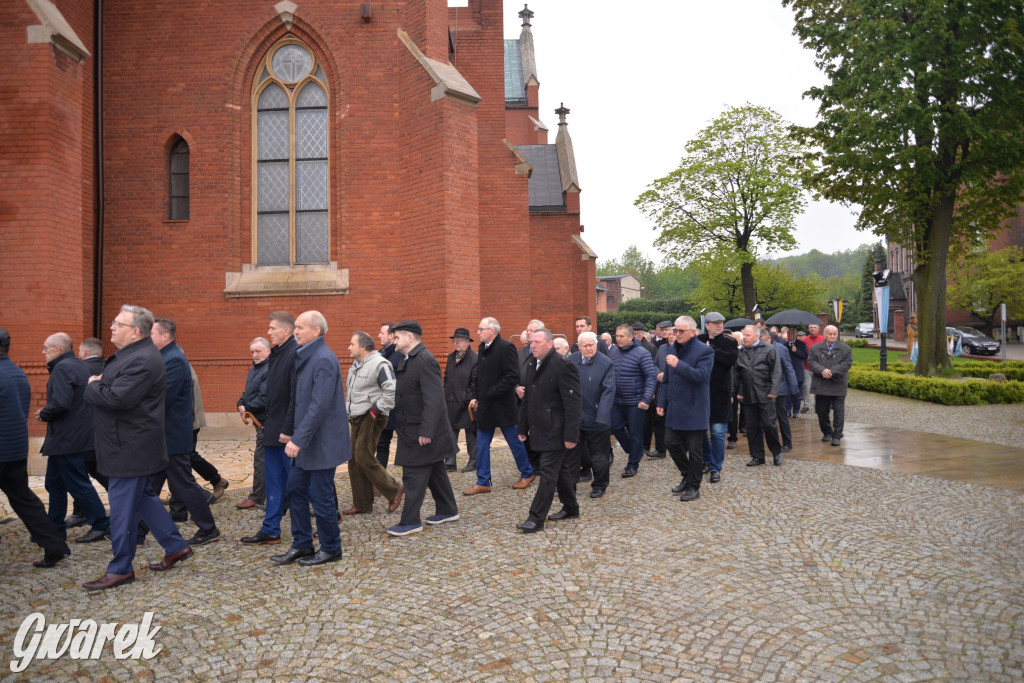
x,y
131,423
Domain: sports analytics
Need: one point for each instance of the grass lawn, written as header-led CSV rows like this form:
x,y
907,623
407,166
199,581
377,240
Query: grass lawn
x,y
869,355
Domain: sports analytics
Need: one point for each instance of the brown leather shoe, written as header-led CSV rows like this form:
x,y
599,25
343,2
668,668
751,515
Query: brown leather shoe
x,y
393,505
220,487
523,483
109,580
353,511
246,504
473,490
171,560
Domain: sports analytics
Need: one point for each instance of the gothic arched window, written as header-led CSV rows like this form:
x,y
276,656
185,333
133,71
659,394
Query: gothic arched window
x,y
178,197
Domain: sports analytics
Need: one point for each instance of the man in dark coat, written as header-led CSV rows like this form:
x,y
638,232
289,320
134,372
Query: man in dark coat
x,y
386,337
597,387
15,398
458,373
636,378
178,418
830,362
131,446
789,387
550,417
524,356
721,391
685,402
492,396
760,381
319,443
68,421
584,324
278,427
90,351
425,436
254,401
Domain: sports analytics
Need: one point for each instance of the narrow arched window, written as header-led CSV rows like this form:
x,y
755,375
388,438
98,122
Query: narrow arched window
x,y
179,195
291,174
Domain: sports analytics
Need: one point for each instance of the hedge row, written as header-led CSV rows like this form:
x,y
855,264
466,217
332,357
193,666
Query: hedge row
x,y
936,390
981,369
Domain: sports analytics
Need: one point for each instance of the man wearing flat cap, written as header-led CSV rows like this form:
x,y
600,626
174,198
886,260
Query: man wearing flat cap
x,y
458,371
425,437
721,389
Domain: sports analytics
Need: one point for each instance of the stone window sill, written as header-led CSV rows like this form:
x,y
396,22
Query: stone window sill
x,y
264,281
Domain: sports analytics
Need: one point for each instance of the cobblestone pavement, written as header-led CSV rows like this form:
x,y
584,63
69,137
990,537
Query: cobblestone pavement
x,y
806,572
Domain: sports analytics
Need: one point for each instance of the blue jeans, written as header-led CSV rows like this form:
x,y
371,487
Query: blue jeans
x,y
131,498
66,474
318,486
483,454
714,448
628,428
276,466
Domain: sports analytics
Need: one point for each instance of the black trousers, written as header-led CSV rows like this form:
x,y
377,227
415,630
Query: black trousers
x,y
384,447
595,456
417,479
760,428
686,446
90,466
470,446
837,404
782,415
185,488
559,471
28,507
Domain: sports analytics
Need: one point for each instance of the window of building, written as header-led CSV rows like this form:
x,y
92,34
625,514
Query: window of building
x,y
291,172
178,202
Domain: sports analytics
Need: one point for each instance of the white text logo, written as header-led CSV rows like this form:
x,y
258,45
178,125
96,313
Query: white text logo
x,y
82,639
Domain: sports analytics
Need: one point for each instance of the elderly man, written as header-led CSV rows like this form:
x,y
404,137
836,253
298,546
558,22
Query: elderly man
x,y
830,363
789,386
68,421
458,374
720,390
386,337
131,445
550,417
254,401
279,424
636,377
812,337
492,396
90,351
425,437
760,382
319,443
525,358
685,402
370,398
15,398
562,347
583,324
597,386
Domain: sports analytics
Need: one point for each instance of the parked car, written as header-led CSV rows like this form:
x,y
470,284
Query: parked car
x,y
973,341
864,330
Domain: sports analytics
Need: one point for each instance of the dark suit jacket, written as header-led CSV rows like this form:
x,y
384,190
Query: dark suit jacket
x,y
321,425
178,405
419,401
494,385
254,396
128,412
94,364
684,392
457,377
552,405
727,352
67,416
15,399
280,398
839,360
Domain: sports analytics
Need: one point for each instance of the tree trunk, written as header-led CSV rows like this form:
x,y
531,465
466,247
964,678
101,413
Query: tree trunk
x,y
747,280
930,285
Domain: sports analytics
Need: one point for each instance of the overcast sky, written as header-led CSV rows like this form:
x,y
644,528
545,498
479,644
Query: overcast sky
x,y
642,78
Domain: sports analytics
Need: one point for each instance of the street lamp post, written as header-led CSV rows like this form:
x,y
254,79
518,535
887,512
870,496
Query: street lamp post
x,y
881,276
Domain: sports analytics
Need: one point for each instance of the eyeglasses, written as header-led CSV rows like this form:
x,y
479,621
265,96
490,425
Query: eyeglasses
x,y
121,324
679,331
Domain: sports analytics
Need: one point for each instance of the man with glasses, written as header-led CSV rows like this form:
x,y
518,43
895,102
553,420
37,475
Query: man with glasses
x,y
128,418
686,404
830,362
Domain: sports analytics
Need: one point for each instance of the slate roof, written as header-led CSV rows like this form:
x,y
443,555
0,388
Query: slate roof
x,y
545,182
515,82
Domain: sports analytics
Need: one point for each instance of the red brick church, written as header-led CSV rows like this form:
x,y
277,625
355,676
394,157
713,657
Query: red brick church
x,y
218,160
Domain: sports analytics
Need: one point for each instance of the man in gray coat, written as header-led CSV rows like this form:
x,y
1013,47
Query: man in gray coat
x,y
830,363
760,382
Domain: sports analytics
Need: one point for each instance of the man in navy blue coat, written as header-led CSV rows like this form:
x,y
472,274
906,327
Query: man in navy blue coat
x,y
597,385
686,404
319,443
15,398
636,380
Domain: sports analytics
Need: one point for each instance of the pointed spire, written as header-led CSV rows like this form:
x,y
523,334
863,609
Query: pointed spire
x,y
526,14
529,60
562,111
566,157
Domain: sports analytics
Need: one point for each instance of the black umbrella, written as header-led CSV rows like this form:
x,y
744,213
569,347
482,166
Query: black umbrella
x,y
738,323
793,317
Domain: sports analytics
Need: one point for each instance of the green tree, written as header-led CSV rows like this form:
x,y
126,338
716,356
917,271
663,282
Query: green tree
x,y
778,289
734,195
632,262
920,123
983,279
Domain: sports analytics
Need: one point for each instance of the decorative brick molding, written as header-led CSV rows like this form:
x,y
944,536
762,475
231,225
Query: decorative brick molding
x,y
54,28
450,83
287,281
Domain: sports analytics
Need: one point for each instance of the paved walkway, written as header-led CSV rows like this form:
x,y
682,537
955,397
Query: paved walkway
x,y
811,571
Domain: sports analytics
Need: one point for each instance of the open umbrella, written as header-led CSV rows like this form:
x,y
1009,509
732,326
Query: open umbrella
x,y
738,323
793,317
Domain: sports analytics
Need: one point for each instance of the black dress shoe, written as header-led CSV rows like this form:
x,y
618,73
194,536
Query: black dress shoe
x,y
785,449
596,493
50,560
450,468
93,536
292,555
628,472
657,455
754,462
320,558
689,494
835,440
731,445
715,477
73,520
584,478
777,459
529,526
469,468
707,468
680,488
200,538
825,438
563,514
260,538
